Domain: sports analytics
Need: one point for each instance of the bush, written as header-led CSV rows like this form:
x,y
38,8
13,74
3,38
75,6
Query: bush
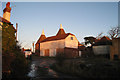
x,y
90,68
14,62
60,58
19,66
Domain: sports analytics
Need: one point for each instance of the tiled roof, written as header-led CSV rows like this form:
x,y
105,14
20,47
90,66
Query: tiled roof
x,y
80,45
104,38
42,37
61,31
58,37
103,41
4,20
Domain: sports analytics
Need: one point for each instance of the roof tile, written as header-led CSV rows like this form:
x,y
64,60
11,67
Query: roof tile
x,y
58,37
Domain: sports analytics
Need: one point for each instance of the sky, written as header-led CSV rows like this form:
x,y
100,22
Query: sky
x,y
60,0
82,19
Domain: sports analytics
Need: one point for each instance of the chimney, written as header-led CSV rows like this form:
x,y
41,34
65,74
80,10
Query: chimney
x,y
6,12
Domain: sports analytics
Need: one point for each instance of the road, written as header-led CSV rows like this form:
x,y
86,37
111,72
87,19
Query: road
x,y
44,63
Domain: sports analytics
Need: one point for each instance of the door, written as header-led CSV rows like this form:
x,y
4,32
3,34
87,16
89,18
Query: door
x,y
46,52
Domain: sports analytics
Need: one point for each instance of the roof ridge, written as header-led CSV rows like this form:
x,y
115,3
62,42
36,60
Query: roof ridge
x,y
56,37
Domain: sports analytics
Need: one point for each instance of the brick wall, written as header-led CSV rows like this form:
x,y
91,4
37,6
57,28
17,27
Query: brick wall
x,y
68,52
115,49
71,52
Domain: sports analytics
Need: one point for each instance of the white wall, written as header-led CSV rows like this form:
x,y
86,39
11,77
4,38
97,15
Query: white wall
x,y
41,52
52,46
52,52
71,43
80,53
102,49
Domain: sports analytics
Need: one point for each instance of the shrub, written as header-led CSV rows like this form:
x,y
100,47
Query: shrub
x,y
19,66
90,68
60,58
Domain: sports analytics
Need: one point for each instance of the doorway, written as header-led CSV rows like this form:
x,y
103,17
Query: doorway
x,y
46,52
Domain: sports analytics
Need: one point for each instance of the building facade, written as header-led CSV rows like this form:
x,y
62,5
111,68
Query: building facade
x,y
115,49
102,46
62,42
37,45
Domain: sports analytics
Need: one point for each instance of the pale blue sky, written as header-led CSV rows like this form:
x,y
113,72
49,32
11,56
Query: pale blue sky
x,y
60,0
80,18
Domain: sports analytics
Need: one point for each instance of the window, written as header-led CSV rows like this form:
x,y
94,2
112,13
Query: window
x,y
71,38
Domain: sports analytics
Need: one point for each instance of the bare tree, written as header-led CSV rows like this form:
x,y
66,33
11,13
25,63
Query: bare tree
x,y
99,35
114,32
